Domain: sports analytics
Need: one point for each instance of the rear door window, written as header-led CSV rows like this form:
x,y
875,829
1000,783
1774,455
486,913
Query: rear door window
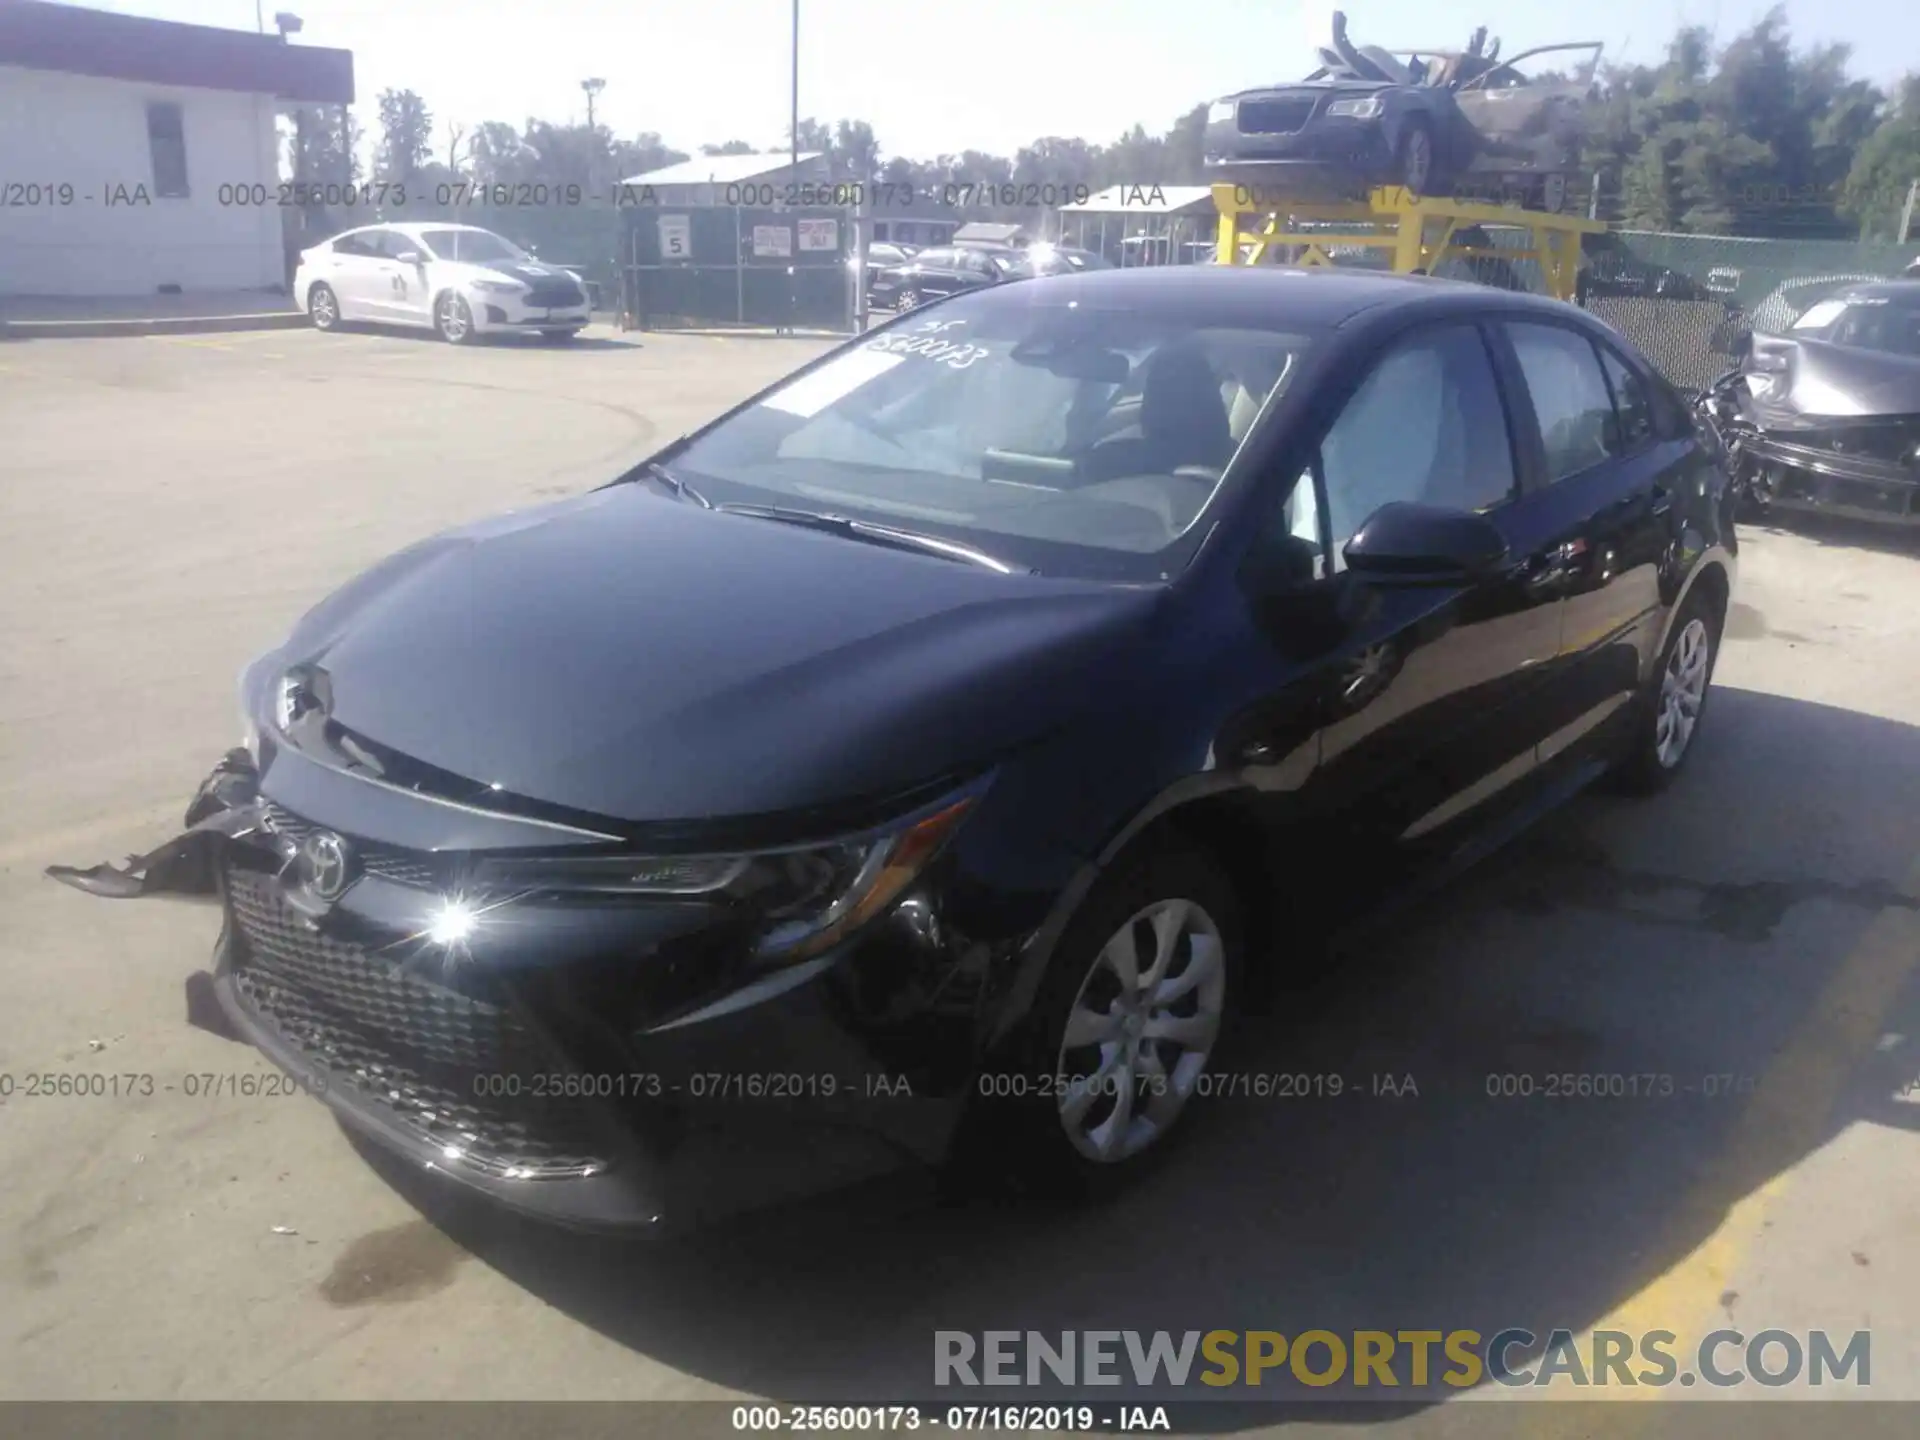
x,y
1571,401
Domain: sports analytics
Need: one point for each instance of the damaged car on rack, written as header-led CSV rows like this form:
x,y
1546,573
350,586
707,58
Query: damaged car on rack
x,y
1436,122
1825,417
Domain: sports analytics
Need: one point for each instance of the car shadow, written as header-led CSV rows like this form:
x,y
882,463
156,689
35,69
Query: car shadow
x,y
1690,937
493,341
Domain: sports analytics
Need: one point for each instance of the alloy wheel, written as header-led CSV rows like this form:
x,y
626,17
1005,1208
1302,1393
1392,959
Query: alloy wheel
x,y
1140,1031
1683,689
1417,171
453,319
322,308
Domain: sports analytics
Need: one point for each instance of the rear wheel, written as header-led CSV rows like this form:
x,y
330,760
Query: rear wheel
x,y
1667,729
909,300
323,307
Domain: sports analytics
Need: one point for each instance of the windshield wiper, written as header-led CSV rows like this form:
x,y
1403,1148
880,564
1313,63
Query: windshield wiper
x,y
874,534
674,483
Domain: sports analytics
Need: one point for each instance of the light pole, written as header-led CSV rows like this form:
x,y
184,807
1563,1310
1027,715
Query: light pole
x,y
593,88
794,130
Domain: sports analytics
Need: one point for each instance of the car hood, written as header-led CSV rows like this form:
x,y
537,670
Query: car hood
x,y
1342,88
1823,381
630,656
525,274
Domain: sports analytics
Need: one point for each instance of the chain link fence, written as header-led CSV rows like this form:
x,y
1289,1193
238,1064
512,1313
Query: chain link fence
x,y
1684,300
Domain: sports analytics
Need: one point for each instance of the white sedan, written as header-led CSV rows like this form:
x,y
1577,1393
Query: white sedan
x,y
458,280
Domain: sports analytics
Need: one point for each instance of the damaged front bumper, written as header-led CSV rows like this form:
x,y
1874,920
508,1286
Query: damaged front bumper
x,y
226,807
1803,474
506,1073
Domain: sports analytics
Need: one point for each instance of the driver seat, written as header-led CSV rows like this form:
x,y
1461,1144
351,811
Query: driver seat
x,y
1183,421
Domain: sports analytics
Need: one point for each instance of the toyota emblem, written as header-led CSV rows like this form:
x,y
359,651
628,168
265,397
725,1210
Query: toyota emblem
x,y
325,864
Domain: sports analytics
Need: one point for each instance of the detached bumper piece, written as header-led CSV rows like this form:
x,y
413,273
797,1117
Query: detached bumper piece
x,y
226,807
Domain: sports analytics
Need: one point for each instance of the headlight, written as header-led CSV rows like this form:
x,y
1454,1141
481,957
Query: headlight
x,y
798,902
1356,109
1220,110
499,287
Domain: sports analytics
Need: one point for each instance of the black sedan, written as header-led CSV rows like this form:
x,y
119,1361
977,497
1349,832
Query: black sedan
x,y
946,270
937,756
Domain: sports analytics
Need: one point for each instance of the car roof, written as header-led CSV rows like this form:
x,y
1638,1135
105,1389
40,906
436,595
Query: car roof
x,y
1315,296
414,227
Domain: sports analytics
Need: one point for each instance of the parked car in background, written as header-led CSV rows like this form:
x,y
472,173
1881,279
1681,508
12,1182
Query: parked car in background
x,y
947,270
458,280
1776,314
1046,258
1427,120
1049,673
1825,416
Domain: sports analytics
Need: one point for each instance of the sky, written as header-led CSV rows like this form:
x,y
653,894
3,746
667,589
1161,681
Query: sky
x,y
941,78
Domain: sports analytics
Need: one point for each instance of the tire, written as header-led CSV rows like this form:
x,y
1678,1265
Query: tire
x,y
1416,163
1058,1132
323,307
1651,761
452,320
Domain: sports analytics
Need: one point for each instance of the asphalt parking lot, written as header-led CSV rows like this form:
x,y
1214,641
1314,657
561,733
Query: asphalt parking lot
x,y
169,506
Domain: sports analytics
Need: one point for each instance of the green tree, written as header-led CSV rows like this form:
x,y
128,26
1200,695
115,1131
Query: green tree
x,y
1885,166
731,147
406,135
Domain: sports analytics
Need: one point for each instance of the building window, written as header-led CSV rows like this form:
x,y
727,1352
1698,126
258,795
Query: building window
x,y
167,140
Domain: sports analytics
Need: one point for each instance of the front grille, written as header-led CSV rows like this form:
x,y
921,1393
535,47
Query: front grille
x,y
422,870
427,1055
555,294
1274,117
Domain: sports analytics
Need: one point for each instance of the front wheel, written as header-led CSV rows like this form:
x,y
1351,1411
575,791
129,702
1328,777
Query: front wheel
x,y
1416,160
1135,1004
909,300
452,319
1666,731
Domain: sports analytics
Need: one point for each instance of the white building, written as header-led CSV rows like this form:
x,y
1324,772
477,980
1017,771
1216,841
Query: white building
x,y
140,156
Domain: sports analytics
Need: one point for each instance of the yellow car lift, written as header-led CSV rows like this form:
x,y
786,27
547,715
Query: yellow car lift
x,y
1417,231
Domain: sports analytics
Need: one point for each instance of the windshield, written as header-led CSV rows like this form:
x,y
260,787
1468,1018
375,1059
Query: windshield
x,y
476,247
1062,439
1865,325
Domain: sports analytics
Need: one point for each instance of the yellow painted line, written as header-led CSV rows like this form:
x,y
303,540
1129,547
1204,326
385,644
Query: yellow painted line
x,y
1784,1122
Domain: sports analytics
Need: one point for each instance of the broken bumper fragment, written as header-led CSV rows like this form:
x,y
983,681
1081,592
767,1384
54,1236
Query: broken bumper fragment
x,y
226,807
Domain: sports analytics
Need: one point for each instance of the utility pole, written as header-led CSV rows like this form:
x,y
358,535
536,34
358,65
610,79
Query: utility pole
x,y
1906,211
593,88
794,131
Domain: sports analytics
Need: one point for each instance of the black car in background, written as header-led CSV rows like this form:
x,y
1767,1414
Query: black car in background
x,y
1433,121
943,270
935,758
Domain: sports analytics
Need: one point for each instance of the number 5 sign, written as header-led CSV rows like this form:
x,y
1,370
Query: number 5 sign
x,y
676,237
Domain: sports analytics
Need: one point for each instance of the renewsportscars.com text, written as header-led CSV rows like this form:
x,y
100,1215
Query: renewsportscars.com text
x,y
1378,1359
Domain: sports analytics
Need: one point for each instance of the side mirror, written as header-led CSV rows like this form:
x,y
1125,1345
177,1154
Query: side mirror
x,y
1404,544
408,257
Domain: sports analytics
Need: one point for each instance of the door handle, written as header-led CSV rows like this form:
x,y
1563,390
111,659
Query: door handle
x,y
1555,566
